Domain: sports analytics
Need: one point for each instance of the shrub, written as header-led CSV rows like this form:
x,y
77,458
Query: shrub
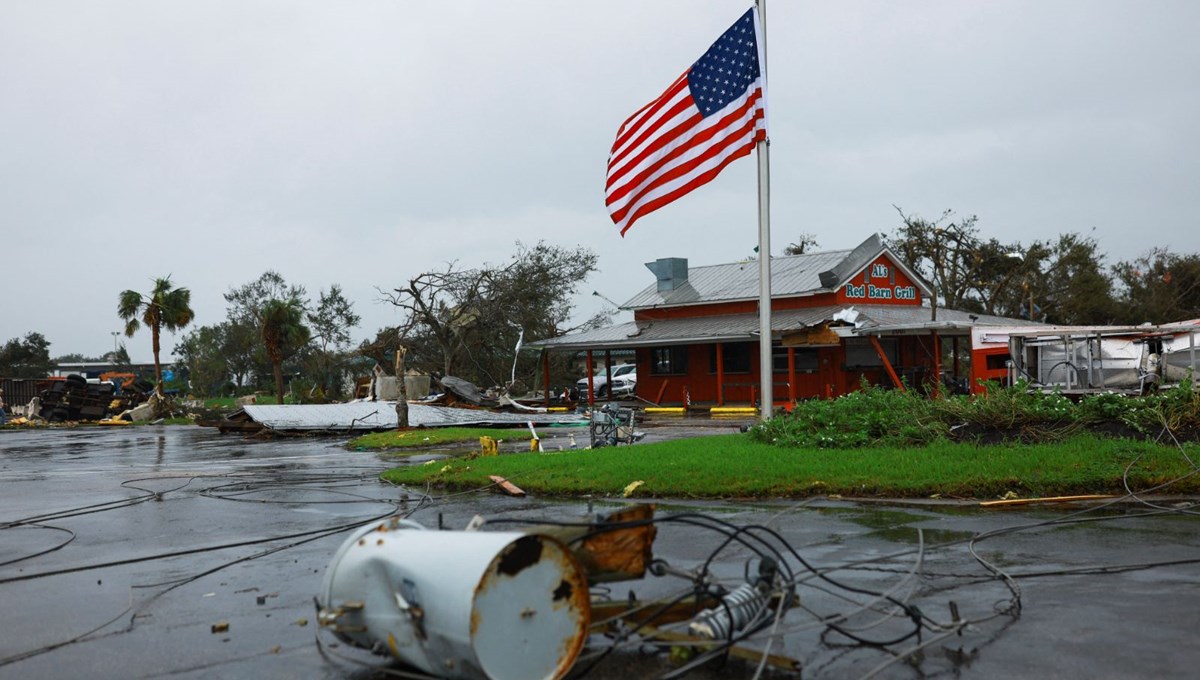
x,y
876,416
871,416
1176,409
1011,413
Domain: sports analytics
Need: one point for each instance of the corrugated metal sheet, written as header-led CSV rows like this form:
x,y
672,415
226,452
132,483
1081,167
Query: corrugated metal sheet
x,y
381,415
790,275
888,315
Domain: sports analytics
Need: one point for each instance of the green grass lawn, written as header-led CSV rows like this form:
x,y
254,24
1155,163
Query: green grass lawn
x,y
222,403
434,436
175,421
735,466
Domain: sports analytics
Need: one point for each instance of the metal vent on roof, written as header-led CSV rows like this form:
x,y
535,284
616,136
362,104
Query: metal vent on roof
x,y
671,272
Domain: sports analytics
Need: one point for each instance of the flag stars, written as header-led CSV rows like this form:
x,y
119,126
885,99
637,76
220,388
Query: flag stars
x,y
729,66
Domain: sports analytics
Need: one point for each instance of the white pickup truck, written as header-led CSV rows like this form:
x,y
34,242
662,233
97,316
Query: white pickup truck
x,y
624,379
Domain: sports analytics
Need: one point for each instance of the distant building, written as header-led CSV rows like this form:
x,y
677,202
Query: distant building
x,y
838,318
93,369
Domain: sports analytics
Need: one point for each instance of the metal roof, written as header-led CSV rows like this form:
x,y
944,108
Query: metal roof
x,y
791,275
873,319
381,415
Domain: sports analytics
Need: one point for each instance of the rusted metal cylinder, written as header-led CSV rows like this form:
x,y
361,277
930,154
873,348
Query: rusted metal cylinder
x,y
459,604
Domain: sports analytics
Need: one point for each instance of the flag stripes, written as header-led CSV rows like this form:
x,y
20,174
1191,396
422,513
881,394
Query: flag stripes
x,y
671,146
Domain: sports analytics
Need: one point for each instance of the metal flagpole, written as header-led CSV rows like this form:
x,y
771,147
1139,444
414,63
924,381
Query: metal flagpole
x,y
766,370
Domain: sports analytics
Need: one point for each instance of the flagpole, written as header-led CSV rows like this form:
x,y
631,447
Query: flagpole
x,y
766,369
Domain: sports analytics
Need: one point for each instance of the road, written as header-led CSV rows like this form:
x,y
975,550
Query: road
x,y
123,548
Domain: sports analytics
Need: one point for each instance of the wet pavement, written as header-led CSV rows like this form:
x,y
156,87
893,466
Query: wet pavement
x,y
120,550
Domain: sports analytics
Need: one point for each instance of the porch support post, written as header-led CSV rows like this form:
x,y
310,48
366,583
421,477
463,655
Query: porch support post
x,y
591,380
954,348
546,375
720,375
792,375
608,371
887,364
937,364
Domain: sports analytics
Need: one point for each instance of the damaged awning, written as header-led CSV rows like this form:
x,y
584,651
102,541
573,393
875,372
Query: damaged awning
x,y
950,328
365,416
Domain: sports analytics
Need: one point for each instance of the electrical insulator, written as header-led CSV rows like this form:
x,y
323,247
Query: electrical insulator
x,y
741,606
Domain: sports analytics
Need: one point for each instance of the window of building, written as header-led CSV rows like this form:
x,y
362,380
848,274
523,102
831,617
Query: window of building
x,y
668,360
806,359
861,354
997,362
735,357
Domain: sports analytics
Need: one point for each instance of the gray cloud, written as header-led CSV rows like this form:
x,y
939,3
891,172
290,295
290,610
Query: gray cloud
x,y
358,143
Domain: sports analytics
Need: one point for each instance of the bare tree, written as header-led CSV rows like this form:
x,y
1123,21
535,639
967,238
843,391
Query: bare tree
x,y
446,305
465,322
943,251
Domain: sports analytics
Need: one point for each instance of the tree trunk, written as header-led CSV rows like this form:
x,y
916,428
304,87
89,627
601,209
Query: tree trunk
x,y
158,401
402,397
278,366
158,387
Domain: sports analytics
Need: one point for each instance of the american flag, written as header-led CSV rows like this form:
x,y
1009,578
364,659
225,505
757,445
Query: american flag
x,y
711,115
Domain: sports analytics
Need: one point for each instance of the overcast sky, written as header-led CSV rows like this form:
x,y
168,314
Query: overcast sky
x,y
360,143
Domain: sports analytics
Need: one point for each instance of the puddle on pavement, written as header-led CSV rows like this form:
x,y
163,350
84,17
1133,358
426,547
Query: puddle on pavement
x,y
872,518
931,536
896,525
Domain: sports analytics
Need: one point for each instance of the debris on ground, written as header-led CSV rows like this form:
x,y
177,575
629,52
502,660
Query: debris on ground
x,y
369,416
507,486
462,604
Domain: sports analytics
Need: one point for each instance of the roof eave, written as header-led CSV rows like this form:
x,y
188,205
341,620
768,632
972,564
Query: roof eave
x,y
722,301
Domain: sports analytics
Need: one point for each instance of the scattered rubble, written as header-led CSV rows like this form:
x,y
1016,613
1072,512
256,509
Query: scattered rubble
x,y
368,416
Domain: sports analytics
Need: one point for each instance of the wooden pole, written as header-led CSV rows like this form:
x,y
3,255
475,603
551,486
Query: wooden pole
x,y
591,399
792,375
546,374
954,348
608,371
720,374
402,397
937,364
887,364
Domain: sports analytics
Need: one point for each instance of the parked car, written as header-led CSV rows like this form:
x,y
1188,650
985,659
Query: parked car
x,y
624,379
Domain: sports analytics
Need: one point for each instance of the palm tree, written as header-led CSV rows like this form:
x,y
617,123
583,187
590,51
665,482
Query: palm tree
x,y
165,307
283,332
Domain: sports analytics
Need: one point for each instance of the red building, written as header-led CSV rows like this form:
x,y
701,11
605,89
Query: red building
x,y
838,318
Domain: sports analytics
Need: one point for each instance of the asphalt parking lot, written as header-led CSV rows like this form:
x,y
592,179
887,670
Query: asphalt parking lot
x,y
120,550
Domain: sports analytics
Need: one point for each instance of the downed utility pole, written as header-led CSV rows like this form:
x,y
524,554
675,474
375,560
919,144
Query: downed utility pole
x,y
476,605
